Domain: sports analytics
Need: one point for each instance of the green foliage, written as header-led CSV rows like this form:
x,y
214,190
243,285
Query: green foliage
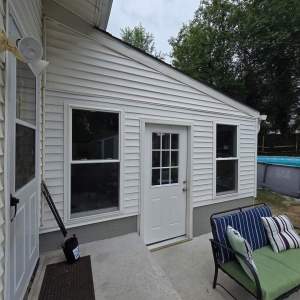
x,y
140,38
250,49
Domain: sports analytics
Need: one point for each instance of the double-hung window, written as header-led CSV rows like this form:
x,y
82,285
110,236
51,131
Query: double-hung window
x,y
226,159
95,163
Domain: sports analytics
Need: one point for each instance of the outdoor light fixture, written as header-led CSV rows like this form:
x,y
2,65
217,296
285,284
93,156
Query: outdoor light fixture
x,y
28,50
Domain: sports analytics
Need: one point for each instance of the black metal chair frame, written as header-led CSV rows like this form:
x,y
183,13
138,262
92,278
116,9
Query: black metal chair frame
x,y
218,265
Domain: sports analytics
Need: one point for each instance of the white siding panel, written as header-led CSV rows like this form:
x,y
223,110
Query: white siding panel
x,y
2,119
29,13
91,74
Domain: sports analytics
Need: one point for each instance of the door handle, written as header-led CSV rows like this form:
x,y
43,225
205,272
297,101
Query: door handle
x,y
14,203
184,189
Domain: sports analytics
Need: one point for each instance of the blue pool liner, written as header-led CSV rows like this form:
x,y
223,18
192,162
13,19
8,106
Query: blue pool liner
x,y
287,161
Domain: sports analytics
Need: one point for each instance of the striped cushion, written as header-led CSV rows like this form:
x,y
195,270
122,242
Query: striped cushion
x,y
255,233
248,223
219,228
281,233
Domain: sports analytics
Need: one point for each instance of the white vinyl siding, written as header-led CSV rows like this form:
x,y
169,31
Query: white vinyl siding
x,y
29,14
86,72
2,169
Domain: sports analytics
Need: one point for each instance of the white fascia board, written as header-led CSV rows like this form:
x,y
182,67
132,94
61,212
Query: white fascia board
x,y
100,16
103,9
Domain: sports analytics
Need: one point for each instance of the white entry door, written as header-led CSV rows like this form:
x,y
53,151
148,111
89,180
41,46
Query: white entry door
x,y
23,150
165,183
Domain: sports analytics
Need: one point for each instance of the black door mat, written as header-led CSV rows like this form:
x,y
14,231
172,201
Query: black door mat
x,y
68,282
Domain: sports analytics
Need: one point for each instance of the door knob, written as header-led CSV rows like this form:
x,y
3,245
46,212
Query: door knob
x,y
14,203
184,189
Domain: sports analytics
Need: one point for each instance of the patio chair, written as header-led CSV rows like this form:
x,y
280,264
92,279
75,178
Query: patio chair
x,y
277,275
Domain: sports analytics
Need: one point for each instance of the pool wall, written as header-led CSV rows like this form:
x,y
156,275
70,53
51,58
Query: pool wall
x,y
279,178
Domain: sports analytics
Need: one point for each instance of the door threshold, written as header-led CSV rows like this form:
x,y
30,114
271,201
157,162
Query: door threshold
x,y
168,243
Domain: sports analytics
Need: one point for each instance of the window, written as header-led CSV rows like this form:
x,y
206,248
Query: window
x,y
25,93
25,125
226,159
165,151
25,155
95,164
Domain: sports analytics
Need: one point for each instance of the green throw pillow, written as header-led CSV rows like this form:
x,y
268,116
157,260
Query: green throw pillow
x,y
241,245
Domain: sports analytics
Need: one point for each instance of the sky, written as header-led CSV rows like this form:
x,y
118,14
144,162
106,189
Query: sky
x,y
162,18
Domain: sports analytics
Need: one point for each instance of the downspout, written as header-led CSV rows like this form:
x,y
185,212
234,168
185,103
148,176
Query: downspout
x,y
260,119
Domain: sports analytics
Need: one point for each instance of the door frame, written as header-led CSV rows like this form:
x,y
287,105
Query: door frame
x,y
10,11
189,201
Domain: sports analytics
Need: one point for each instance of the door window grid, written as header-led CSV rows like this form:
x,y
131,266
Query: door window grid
x,y
165,158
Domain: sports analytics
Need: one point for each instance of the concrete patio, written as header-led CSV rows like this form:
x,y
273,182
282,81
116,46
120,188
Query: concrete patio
x,y
124,269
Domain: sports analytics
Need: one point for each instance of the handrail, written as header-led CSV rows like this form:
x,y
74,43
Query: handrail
x,y
53,208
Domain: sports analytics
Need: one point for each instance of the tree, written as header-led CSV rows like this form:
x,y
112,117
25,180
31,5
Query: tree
x,y
140,38
250,49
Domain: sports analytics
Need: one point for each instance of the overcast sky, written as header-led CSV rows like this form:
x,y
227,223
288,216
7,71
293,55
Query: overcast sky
x,y
163,18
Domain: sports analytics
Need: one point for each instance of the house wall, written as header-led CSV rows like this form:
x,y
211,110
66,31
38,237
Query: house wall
x,y
2,136
85,70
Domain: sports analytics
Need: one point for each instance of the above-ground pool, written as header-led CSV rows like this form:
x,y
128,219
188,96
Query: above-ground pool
x,y
280,174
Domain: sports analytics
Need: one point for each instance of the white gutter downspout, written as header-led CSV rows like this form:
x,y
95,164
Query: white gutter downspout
x,y
261,118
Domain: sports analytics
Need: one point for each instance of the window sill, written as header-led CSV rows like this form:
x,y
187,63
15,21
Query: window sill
x,y
226,194
91,213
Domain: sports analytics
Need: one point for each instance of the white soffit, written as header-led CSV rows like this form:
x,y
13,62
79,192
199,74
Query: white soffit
x,y
95,12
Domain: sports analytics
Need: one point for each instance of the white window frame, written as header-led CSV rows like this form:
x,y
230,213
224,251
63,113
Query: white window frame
x,y
101,216
232,193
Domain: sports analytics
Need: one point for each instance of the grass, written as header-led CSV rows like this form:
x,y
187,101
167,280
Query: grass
x,y
280,204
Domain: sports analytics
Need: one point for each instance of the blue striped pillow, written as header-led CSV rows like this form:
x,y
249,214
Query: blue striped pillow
x,y
219,228
249,225
255,232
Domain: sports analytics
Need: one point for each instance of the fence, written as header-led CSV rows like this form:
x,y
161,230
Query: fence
x,y
277,144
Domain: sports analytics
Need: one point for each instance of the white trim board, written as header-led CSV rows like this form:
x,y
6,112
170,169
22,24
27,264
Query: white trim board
x,y
102,12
